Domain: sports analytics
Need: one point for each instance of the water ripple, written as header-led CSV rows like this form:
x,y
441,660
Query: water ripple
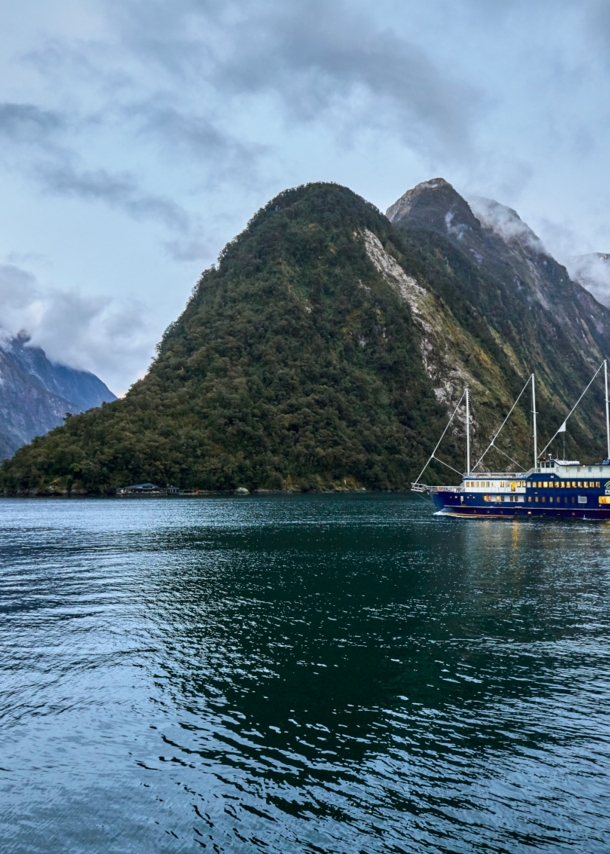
x,y
300,674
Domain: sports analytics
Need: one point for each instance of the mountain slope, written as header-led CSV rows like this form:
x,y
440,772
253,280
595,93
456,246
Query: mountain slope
x,y
326,349
36,394
517,294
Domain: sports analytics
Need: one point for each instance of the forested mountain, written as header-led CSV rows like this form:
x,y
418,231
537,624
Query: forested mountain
x,y
327,347
36,394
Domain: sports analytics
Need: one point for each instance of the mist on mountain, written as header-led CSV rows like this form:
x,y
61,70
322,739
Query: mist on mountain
x,y
37,394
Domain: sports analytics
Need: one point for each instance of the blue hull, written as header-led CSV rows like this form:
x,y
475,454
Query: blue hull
x,y
451,504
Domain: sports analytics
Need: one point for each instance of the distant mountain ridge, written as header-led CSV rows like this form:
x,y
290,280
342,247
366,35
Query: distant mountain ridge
x,y
36,394
327,347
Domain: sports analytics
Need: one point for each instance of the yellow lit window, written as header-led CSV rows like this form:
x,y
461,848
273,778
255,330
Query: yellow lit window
x,y
604,499
529,498
487,484
597,483
543,499
536,499
487,498
586,484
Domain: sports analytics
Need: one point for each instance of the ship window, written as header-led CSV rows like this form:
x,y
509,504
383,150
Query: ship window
x,y
597,483
487,498
551,499
544,499
529,498
536,499
586,484
573,484
604,499
487,484
582,499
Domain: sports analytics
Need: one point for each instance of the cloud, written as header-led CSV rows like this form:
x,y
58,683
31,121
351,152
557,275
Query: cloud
x,y
119,190
316,58
54,165
505,221
319,56
593,273
110,338
27,123
220,154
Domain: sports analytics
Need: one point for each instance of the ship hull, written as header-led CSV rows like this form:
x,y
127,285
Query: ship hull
x,y
453,504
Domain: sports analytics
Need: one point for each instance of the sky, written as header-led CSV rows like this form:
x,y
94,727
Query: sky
x,y
137,138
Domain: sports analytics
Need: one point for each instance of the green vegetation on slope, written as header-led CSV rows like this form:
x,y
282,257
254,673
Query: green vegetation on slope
x,y
294,365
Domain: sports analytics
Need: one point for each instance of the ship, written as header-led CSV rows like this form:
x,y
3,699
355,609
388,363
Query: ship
x,y
552,487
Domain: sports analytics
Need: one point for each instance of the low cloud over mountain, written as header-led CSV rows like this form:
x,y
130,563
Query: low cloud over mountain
x,y
93,333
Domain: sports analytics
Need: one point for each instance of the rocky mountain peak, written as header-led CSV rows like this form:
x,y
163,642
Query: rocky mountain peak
x,y
437,206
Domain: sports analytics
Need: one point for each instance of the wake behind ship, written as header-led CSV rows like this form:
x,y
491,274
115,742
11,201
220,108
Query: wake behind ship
x,y
552,487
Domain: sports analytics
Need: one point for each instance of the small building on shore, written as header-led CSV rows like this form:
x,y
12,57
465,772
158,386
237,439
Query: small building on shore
x,y
146,489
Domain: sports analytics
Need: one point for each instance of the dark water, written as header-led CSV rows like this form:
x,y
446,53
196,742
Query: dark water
x,y
301,674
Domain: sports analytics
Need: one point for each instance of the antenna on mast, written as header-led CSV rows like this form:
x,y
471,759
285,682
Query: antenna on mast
x,y
468,431
534,420
607,409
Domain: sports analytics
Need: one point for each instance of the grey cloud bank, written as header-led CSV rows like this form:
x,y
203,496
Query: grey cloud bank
x,y
137,138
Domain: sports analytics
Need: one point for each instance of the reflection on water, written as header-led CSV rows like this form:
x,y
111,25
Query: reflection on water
x,y
301,674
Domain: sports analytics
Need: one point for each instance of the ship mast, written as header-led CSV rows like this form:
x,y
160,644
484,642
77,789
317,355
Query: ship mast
x,y
607,409
468,431
534,420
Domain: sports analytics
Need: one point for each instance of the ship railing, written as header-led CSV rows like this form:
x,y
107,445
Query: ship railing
x,y
504,475
424,487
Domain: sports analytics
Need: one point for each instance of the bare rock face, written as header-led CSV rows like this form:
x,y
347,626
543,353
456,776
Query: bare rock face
x,y
36,394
